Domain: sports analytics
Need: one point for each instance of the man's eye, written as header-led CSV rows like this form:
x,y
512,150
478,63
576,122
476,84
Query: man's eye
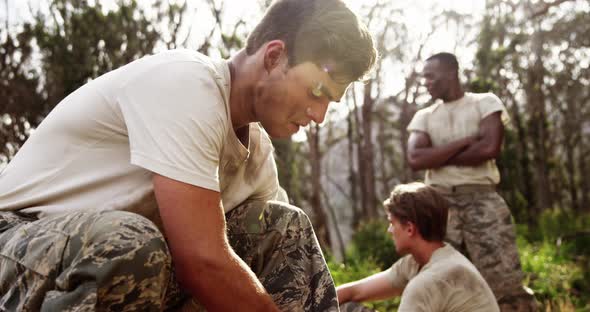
x,y
317,90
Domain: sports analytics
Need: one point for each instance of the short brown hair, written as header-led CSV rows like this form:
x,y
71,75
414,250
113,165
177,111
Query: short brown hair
x,y
422,205
324,32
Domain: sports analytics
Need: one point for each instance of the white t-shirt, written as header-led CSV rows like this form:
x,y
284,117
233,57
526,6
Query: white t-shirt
x,y
167,113
448,282
447,122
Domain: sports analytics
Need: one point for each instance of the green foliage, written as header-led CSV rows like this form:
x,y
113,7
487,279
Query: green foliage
x,y
554,277
89,41
358,268
19,97
555,257
371,251
372,242
556,224
513,177
481,85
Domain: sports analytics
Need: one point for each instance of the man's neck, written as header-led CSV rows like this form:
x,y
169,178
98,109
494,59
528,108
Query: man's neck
x,y
241,93
423,251
454,94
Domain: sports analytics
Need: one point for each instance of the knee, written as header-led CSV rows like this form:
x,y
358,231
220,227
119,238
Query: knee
x,y
119,234
284,216
265,217
118,223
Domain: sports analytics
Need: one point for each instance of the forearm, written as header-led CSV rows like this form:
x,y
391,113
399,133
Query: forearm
x,y
375,287
435,157
351,292
214,277
345,293
205,265
487,146
474,155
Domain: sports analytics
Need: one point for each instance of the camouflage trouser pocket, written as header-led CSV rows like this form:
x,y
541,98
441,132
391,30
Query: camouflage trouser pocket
x,y
29,259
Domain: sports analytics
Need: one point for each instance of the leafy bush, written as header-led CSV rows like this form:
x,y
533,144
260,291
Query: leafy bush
x,y
552,277
371,251
372,241
557,261
358,268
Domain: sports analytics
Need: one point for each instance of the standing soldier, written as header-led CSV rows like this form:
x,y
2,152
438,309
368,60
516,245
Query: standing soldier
x,y
456,141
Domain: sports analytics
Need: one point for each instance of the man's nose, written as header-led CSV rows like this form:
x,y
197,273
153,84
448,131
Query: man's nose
x,y
317,112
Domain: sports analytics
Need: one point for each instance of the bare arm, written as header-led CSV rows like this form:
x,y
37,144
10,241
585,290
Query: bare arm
x,y
374,287
205,264
487,145
422,155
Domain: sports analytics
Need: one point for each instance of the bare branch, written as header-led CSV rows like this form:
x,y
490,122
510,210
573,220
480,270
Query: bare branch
x,y
545,8
176,25
7,17
190,30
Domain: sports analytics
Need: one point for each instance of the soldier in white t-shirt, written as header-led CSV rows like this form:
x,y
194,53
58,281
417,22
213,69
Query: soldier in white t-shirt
x,y
457,140
143,169
432,276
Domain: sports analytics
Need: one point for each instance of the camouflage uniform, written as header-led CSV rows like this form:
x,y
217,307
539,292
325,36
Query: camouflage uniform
x,y
480,226
119,261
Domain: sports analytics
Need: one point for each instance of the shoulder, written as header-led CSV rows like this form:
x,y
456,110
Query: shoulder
x,y
177,64
420,119
174,88
405,266
183,55
451,281
428,110
424,292
182,73
484,98
456,271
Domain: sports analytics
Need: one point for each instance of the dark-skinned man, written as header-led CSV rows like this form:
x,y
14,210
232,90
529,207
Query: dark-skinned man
x,y
456,140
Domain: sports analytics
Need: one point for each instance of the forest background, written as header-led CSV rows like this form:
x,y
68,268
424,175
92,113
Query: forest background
x,y
533,54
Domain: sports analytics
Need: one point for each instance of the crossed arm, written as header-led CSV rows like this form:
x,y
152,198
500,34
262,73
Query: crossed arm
x,y
205,264
468,151
374,287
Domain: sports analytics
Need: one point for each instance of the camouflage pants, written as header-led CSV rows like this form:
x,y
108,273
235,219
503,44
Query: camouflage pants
x,y
480,226
119,261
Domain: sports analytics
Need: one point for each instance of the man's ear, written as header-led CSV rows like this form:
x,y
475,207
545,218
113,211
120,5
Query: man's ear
x,y
452,74
275,54
411,229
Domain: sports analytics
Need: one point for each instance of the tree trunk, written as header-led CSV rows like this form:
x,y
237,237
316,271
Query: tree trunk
x,y
320,224
584,184
538,125
352,175
361,165
367,155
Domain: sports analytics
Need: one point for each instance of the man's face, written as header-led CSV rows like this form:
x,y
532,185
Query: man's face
x,y
399,234
289,98
437,79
